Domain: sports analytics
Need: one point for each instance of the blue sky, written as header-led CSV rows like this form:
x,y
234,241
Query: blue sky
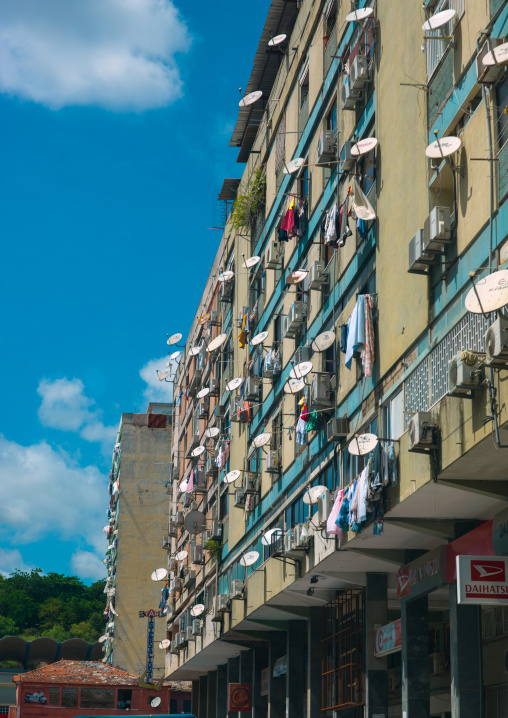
x,y
115,120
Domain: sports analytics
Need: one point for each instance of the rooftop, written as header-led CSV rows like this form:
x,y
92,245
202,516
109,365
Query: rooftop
x,y
92,672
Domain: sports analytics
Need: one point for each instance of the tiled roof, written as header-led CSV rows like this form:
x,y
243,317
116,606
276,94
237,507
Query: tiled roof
x,y
91,672
179,685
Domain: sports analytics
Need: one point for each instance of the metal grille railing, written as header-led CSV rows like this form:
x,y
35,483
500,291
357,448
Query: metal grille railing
x,y
438,43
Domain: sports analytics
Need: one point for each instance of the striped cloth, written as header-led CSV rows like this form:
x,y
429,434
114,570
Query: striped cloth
x,y
367,353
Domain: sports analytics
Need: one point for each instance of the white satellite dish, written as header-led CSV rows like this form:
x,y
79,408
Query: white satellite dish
x,y
270,536
181,555
276,40
217,342
197,610
444,147
165,644
155,701
438,20
174,355
102,639
312,495
293,166
204,392
212,432
197,451
226,276
195,522
301,370
251,98
234,383
362,147
194,351
323,341
361,14
259,338
296,277
249,558
174,339
159,574
163,374
493,293
250,262
183,486
293,386
232,476
363,444
498,56
261,440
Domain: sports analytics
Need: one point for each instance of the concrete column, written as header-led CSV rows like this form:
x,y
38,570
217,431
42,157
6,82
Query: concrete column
x,y
376,597
276,695
415,658
203,680
246,662
233,677
195,697
314,661
211,697
221,694
465,658
295,679
259,702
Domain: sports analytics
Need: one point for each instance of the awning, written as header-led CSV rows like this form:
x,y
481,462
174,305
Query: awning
x,y
229,188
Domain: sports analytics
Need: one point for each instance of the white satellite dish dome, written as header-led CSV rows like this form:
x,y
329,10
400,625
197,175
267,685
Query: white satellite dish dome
x,y
363,444
159,574
197,610
212,432
497,56
232,476
361,14
226,276
251,98
276,40
163,374
217,342
293,166
492,291
234,383
269,536
438,20
323,341
312,495
249,558
250,262
174,339
204,392
165,644
181,555
155,701
259,338
197,451
444,147
363,147
293,386
261,440
301,370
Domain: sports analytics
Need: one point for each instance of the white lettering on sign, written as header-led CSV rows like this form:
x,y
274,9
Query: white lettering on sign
x,y
482,580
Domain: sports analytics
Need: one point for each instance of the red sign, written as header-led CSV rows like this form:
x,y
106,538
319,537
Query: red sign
x,y
482,580
388,638
240,697
423,575
488,570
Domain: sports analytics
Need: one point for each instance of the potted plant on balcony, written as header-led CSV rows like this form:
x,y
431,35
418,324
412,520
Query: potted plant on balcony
x,y
249,202
213,547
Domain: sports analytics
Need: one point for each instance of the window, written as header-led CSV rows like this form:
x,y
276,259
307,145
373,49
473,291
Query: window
x,y
173,705
54,696
97,698
69,697
331,118
4,710
302,288
280,145
394,417
330,17
304,181
278,324
438,41
187,706
304,87
124,698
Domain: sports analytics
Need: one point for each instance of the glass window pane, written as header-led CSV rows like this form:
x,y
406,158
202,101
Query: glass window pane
x,y
396,418
70,697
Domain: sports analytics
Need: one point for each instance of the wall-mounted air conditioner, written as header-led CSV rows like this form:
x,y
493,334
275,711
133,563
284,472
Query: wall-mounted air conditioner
x,y
190,635
320,392
202,410
240,498
324,505
489,73
419,261
214,319
347,160
166,543
214,387
181,639
195,382
318,277
273,255
179,518
437,229
326,147
348,97
337,428
173,565
197,555
211,468
197,627
252,484
189,578
216,530
462,377
193,444
172,532
236,589
175,584
294,320
251,388
273,462
301,537
219,411
359,73
222,603
187,500
174,650
289,541
200,484
303,354
175,470
420,431
226,291
496,343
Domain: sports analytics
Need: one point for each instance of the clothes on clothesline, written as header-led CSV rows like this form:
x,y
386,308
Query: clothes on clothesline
x,y
360,334
335,224
295,220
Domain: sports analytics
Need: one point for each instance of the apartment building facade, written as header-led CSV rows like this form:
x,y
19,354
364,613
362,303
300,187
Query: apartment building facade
x,y
337,301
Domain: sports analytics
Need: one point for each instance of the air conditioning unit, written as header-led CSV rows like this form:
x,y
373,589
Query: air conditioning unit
x,y
303,354
320,392
193,444
301,536
437,229
197,627
197,555
175,584
200,486
462,377
419,261
175,470
174,650
251,389
189,634
437,664
273,256
489,73
211,468
326,147
359,73
187,500
318,277
294,320
347,160
181,639
214,319
166,543
324,506
189,578
273,463
179,518
496,343
222,603
252,484
216,530
172,531
289,541
226,291
348,96
217,616
420,431
173,565
236,589
219,411
195,382
240,498
203,408
337,428
214,387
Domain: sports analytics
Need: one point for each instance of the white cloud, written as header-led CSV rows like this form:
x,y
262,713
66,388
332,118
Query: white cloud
x,y
88,565
116,54
12,560
65,406
157,390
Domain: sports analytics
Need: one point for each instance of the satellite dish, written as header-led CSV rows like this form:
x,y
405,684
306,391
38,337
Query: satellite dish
x,y
195,522
250,99
498,56
204,392
197,610
232,476
159,574
234,383
493,293
102,639
258,339
323,341
226,276
249,558
165,644
261,440
363,444
250,262
155,701
197,451
204,318
212,432
217,342
276,40
163,374
174,339
293,386
438,20
363,146
270,536
296,277
293,166
301,370
194,351
183,486
361,14
181,555
444,147
312,495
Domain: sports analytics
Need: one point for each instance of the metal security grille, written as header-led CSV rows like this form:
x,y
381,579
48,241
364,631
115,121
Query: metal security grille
x,y
343,652
417,389
438,42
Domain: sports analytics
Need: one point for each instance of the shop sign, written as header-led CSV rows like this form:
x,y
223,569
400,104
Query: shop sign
x,y
388,638
240,697
482,580
265,682
500,533
423,575
280,667
150,614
